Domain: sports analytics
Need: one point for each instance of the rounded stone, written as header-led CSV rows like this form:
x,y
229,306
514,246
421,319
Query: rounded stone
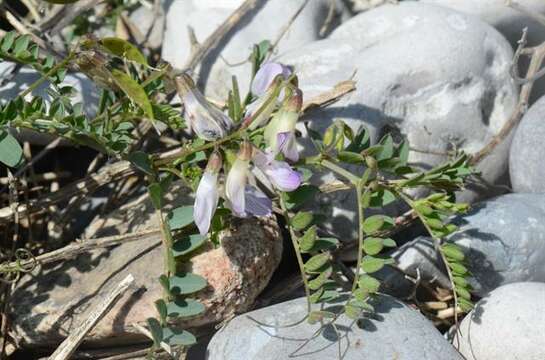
x,y
528,151
394,332
46,306
508,324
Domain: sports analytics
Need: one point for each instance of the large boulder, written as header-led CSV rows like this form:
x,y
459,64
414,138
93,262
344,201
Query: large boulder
x,y
434,75
394,332
46,306
503,240
265,22
508,324
528,150
509,20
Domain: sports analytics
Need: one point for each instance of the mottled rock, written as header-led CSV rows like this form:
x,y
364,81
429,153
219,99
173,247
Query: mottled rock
x,y
151,23
510,21
508,324
394,332
48,306
265,22
503,240
528,151
434,75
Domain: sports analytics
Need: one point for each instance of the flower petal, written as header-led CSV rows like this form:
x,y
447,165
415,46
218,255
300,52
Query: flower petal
x,y
287,145
265,76
257,203
235,185
284,177
205,120
206,201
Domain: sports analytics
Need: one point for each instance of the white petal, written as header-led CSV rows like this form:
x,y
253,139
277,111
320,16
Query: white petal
x,y
206,201
235,184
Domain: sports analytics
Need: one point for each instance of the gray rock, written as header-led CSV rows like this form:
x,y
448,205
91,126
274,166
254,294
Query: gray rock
x,y
507,20
151,23
434,75
503,240
264,23
508,324
46,306
528,151
394,332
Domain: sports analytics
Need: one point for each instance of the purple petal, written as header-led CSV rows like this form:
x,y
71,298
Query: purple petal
x,y
206,201
283,176
208,122
257,203
265,76
286,145
235,185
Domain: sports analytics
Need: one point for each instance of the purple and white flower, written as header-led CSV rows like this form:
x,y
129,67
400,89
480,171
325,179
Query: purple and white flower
x,y
265,76
208,122
280,173
207,195
280,132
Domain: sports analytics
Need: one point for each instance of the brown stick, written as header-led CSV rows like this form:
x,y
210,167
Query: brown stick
x,y
69,345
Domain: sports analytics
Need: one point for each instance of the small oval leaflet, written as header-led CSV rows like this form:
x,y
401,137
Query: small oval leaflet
x,y
124,49
186,283
11,152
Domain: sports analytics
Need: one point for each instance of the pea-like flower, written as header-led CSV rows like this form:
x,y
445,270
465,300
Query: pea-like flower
x,y
265,76
280,132
207,121
279,173
207,195
244,198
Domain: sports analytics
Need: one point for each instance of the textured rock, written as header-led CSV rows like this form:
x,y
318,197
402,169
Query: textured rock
x,y
503,239
263,23
437,76
151,23
507,20
528,151
395,332
508,324
48,306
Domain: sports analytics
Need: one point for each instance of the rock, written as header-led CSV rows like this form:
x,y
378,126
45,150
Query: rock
x,y
85,92
151,24
394,332
508,324
503,240
264,23
49,305
527,152
508,21
450,89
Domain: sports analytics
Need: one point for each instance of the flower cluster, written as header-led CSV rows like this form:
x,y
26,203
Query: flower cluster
x,y
274,91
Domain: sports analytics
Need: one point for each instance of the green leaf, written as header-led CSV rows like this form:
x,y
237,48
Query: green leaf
x,y
184,308
351,157
124,49
186,283
11,153
21,44
316,262
156,330
320,280
134,91
8,40
325,244
371,264
187,244
373,245
142,161
460,281
299,196
389,242
381,198
463,293
317,316
301,220
457,269
352,312
315,296
453,252
373,224
307,241
163,280
180,217
369,283
387,150
178,337
156,195
161,307
361,141
465,305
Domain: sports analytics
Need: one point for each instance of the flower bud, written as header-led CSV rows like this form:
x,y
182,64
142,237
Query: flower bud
x,y
246,151
214,163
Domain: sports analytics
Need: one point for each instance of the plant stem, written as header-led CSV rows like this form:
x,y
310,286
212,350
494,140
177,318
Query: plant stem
x,y
359,196
339,170
297,252
45,76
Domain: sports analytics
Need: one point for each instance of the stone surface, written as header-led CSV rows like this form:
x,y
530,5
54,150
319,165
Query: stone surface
x,y
264,23
436,76
528,151
508,324
395,332
48,306
508,21
503,240
151,23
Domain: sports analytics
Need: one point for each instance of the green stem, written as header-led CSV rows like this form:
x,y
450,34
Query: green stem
x,y
339,170
359,197
297,252
46,76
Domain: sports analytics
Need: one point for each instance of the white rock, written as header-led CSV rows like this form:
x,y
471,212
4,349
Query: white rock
x,y
264,23
508,324
528,151
436,76
507,20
